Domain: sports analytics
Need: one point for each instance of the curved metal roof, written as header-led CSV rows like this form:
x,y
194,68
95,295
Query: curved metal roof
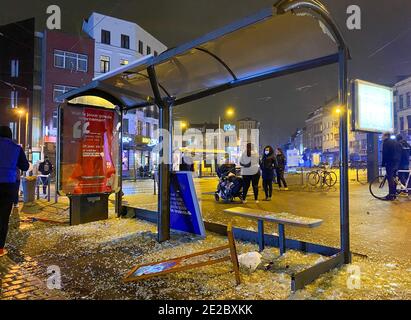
x,y
291,36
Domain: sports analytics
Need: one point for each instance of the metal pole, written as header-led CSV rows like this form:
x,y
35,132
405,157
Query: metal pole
x,y
344,188
164,176
48,188
165,164
19,129
119,194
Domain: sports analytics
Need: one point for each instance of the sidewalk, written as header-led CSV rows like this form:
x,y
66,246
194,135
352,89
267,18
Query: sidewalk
x,y
18,283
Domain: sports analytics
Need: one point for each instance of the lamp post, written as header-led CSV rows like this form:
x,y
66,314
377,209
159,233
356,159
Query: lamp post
x,y
20,113
229,113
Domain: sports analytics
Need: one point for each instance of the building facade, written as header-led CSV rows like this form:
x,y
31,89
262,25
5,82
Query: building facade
x,y
402,107
17,76
68,64
118,42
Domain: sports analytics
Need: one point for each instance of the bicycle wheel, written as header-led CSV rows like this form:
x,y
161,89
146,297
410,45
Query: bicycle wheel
x,y
379,187
330,178
313,178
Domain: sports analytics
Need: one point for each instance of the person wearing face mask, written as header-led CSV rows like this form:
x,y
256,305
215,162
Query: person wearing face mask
x,y
267,165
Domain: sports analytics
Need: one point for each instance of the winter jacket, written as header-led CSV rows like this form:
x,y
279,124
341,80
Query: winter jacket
x,y
267,165
281,162
391,153
405,155
46,167
12,158
249,165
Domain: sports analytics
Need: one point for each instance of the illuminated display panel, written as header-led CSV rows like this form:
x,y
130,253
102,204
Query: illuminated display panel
x,y
88,150
373,107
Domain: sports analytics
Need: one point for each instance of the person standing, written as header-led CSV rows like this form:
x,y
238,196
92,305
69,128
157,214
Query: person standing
x,y
404,162
46,169
13,158
281,163
250,170
267,165
391,158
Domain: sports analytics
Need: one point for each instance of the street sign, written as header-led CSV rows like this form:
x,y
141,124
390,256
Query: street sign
x,y
185,214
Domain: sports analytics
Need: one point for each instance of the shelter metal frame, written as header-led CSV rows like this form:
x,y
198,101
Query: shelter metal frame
x,y
165,101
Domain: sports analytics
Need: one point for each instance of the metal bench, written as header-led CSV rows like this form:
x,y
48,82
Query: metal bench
x,y
281,218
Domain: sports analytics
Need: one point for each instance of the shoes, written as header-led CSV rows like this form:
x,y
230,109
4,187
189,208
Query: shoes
x,y
285,189
244,201
3,252
403,194
269,199
390,198
256,201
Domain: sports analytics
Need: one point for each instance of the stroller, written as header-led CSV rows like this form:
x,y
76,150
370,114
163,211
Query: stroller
x,y
230,185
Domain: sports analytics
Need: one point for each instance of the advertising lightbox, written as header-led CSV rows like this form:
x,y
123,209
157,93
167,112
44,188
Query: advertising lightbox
x,y
88,150
373,107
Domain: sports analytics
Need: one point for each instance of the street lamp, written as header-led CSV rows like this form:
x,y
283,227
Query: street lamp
x,y
229,113
20,113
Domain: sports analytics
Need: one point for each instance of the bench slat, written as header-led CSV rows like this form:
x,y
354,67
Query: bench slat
x,y
283,218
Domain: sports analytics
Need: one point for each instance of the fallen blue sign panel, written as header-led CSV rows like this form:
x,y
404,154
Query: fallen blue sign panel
x,y
185,214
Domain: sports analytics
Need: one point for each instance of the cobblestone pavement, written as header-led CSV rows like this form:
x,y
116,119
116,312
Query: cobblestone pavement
x,y
19,283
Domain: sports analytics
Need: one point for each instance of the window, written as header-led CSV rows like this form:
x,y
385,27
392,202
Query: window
x,y
124,62
59,90
140,47
408,99
105,36
104,64
401,123
14,99
401,97
55,119
125,41
148,50
13,127
409,122
70,61
139,128
126,123
14,68
148,129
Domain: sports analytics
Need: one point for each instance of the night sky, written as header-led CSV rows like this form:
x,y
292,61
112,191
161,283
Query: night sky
x,y
381,51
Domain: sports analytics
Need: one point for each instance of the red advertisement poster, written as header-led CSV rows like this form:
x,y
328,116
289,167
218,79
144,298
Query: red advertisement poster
x,y
88,150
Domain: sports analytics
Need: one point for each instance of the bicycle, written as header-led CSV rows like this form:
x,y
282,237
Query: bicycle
x,y
322,177
379,187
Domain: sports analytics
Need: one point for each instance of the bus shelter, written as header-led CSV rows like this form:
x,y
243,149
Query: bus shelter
x,y
290,37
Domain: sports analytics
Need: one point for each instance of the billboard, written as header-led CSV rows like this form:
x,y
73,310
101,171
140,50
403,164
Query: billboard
x,y
88,150
373,107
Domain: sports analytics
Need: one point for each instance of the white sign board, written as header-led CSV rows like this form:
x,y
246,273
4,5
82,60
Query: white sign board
x,y
293,158
373,107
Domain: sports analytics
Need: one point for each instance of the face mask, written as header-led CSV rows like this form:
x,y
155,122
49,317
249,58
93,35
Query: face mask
x,y
267,153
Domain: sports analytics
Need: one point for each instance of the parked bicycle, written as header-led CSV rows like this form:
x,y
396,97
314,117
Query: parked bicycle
x,y
322,177
379,187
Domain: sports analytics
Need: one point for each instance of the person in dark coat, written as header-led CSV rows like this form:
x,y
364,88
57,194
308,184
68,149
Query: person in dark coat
x,y
46,169
267,165
281,163
405,160
391,159
250,171
13,158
